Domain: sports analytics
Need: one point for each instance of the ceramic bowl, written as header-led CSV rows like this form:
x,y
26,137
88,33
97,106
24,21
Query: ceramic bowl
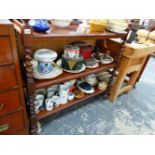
x,y
71,96
102,85
61,23
117,25
45,55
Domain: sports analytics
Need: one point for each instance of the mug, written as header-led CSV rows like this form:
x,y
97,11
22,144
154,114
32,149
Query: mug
x,y
64,87
63,93
63,96
63,100
56,100
37,106
49,104
40,99
71,96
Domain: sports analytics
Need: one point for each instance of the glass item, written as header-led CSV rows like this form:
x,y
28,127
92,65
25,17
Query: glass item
x,y
39,25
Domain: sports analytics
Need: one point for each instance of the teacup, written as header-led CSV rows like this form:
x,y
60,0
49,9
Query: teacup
x,y
49,104
37,106
71,96
91,77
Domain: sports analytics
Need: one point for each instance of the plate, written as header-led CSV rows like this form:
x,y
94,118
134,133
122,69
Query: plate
x,y
56,72
59,62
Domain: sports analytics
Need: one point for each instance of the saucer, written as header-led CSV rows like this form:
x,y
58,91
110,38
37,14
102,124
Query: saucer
x,y
56,72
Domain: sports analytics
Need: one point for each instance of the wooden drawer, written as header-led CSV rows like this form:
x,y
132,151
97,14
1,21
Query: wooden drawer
x,y
5,51
9,102
12,124
7,77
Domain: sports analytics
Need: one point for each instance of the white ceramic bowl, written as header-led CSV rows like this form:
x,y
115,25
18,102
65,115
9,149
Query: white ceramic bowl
x,y
61,23
117,25
45,55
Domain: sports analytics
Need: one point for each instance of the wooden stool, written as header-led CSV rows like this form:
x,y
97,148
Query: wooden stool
x,y
131,64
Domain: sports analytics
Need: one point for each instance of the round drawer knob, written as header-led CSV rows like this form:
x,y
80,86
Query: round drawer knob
x,y
4,127
1,105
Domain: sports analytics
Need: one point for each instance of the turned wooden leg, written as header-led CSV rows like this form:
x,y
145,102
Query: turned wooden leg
x,y
31,90
125,63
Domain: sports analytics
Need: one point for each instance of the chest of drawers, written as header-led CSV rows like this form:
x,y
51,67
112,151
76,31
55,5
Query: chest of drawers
x,y
13,116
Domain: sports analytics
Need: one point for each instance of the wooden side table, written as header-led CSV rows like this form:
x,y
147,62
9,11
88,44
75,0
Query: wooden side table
x,y
132,62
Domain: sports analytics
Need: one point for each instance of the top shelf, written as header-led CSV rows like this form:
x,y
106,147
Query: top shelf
x,y
72,32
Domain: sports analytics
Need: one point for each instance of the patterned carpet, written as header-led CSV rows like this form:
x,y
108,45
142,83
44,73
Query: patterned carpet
x,y
132,113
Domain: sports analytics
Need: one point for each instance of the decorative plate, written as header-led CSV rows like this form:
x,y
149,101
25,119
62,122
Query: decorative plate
x,y
105,59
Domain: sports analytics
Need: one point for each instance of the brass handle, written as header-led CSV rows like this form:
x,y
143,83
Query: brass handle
x,y
1,105
4,127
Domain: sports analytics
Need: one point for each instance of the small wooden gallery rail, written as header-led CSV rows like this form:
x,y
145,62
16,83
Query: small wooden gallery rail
x,y
29,38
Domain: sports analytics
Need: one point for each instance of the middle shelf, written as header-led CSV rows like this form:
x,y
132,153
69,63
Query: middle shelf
x,y
69,76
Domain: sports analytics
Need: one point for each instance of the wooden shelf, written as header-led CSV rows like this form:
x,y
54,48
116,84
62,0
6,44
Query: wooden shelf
x,y
73,32
45,114
69,76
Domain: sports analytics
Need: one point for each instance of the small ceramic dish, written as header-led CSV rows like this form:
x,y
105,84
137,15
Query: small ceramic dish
x,y
78,94
85,87
61,23
104,59
102,85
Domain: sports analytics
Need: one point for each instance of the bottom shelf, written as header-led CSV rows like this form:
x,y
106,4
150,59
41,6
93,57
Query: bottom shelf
x,y
45,114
